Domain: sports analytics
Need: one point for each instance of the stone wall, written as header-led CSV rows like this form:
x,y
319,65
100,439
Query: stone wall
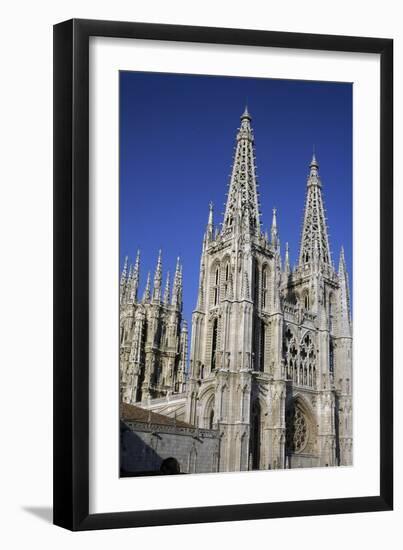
x,y
145,446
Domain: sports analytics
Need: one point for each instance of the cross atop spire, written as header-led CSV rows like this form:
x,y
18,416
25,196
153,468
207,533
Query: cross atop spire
x,y
242,208
314,237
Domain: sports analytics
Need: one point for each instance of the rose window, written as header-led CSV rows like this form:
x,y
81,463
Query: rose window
x,y
297,430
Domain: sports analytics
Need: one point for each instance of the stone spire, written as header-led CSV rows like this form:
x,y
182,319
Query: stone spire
x,y
130,275
242,208
180,285
167,291
128,284
314,236
210,223
134,283
274,231
177,286
147,290
123,279
158,279
287,267
345,314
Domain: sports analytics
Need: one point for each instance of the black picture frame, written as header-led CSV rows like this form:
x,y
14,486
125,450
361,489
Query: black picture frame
x,y
71,274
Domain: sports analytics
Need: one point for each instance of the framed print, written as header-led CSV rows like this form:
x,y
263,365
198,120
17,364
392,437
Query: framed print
x,y
223,318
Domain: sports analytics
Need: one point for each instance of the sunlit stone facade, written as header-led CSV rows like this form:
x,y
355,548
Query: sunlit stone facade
x,y
271,347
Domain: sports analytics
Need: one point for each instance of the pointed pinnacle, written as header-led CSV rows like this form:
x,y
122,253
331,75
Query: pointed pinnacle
x,y
210,214
342,261
167,290
125,265
246,114
147,289
137,263
159,257
287,258
177,265
314,162
274,221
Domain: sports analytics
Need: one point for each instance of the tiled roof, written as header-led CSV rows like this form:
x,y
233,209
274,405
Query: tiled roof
x,y
137,414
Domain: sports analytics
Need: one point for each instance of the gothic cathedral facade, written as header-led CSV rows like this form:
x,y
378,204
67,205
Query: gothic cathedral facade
x,y
271,347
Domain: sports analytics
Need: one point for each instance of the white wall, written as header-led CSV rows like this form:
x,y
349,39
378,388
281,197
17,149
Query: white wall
x,y
25,288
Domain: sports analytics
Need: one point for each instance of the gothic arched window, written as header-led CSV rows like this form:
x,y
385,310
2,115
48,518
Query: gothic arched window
x,y
214,344
211,419
226,279
331,357
262,344
215,292
264,287
290,350
256,283
306,301
216,286
331,310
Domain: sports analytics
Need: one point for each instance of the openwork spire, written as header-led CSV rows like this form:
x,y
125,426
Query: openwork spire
x,y
177,286
314,237
242,208
210,223
158,278
134,281
167,291
147,290
123,280
274,230
287,267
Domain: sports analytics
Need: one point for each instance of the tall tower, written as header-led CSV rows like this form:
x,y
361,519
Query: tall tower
x,y
317,344
153,336
236,381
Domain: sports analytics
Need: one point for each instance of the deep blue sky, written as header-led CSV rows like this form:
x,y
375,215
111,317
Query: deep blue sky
x,y
177,134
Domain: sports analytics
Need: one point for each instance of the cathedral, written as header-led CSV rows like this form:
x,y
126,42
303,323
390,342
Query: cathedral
x,y
269,374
